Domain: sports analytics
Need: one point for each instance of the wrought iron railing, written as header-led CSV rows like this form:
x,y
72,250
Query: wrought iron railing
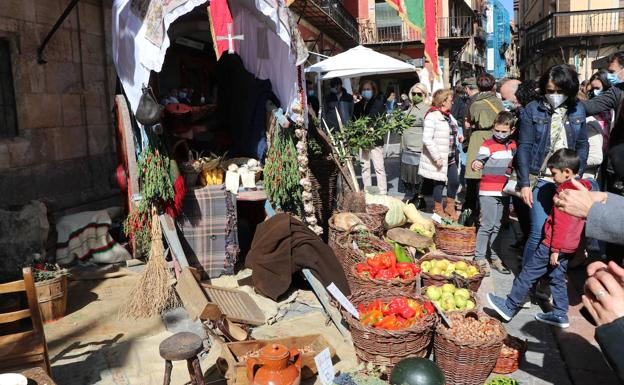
x,y
401,32
577,23
342,17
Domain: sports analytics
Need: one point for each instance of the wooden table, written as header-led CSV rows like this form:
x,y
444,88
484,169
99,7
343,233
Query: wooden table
x,y
38,376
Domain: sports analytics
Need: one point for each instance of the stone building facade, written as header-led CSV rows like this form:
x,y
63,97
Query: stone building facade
x,y
62,147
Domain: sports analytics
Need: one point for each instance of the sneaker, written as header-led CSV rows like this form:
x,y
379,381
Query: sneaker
x,y
483,264
497,264
501,308
552,319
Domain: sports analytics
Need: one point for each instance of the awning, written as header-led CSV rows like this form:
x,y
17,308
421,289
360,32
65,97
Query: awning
x,y
360,61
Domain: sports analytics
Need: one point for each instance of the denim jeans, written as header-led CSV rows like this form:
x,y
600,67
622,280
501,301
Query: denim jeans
x,y
452,184
534,269
543,194
489,225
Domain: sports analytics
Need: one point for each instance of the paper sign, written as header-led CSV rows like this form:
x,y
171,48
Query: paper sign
x,y
436,218
325,367
333,289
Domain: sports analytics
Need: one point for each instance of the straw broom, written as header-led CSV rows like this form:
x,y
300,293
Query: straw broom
x,y
154,291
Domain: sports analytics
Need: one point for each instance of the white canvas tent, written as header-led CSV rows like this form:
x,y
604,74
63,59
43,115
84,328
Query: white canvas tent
x,y
359,61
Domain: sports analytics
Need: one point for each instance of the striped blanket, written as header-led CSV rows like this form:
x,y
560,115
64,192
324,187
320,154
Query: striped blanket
x,y
208,225
84,236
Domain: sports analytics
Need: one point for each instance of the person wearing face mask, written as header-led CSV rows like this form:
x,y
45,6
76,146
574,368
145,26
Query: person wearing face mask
x,y
494,160
372,106
508,90
411,145
337,100
405,103
554,122
611,99
313,101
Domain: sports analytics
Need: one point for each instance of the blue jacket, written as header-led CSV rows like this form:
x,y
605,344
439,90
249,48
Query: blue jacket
x,y
534,137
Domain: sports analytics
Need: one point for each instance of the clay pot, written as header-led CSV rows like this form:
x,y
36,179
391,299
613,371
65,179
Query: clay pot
x,y
276,365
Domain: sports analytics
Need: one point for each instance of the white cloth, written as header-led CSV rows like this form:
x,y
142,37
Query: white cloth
x,y
436,133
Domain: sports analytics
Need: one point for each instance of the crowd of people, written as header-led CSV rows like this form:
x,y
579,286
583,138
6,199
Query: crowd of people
x,y
550,151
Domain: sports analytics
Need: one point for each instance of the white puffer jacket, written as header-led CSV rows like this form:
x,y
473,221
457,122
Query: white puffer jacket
x,y
436,133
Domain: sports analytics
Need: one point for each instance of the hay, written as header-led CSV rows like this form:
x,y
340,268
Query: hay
x,y
154,291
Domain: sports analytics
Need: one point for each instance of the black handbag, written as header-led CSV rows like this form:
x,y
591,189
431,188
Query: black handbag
x,y
149,110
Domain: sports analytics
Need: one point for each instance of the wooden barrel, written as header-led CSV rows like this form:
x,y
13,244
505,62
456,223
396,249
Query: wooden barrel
x,y
52,297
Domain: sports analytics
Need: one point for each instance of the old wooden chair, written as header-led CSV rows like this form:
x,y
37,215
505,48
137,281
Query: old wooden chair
x,y
25,348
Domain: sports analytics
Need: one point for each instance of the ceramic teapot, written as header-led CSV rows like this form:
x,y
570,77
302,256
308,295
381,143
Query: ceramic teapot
x,y
276,365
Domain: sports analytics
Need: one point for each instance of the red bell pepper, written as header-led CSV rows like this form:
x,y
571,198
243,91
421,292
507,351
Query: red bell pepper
x,y
386,274
428,308
388,322
364,270
375,262
406,272
388,259
375,305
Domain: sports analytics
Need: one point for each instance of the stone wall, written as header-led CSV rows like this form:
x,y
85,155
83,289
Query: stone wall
x,y
65,149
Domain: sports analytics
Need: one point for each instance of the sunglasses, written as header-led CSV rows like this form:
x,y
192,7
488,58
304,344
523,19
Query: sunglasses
x,y
418,94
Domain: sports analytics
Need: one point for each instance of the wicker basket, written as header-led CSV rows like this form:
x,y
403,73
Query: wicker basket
x,y
371,223
456,240
510,361
472,283
366,242
406,286
467,363
388,347
324,178
379,212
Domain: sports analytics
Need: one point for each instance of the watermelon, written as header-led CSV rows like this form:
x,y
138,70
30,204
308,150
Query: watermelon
x,y
416,371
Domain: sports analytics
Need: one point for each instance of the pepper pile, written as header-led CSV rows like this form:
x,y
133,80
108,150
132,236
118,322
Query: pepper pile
x,y
399,313
387,266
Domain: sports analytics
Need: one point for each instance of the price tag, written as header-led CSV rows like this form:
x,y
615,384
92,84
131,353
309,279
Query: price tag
x,y
436,218
333,289
325,367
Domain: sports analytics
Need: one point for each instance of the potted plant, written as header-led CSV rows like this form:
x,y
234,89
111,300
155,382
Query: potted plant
x,y
51,286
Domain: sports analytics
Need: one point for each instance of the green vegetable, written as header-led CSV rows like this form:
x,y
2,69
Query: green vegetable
x,y
464,217
416,371
502,380
401,255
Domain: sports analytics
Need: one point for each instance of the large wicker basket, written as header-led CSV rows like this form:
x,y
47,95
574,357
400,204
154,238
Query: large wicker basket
x,y
508,362
472,283
467,363
388,347
323,177
358,282
456,240
365,242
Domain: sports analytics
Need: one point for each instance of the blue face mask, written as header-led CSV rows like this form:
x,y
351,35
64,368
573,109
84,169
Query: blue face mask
x,y
333,90
182,95
311,92
613,78
509,106
597,92
367,94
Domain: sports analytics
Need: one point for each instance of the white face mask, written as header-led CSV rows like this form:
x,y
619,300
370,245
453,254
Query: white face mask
x,y
555,100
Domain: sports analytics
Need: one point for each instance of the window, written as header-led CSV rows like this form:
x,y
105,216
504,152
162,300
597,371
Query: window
x,y
8,115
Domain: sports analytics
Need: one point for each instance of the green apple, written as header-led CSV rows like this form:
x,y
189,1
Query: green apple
x,y
470,305
433,293
446,296
435,271
426,266
462,273
460,302
449,304
463,293
448,288
442,264
472,270
450,268
461,265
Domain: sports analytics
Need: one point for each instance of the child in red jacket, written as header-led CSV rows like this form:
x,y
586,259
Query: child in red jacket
x,y
561,238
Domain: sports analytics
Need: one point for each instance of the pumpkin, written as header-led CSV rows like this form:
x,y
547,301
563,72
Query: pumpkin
x,y
416,371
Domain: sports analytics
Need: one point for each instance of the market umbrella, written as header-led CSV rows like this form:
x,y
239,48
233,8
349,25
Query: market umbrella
x,y
359,61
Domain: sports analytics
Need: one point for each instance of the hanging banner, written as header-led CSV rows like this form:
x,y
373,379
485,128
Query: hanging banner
x,y
220,18
431,34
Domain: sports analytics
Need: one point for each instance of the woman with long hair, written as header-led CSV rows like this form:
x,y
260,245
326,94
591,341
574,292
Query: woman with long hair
x,y
555,121
372,105
439,159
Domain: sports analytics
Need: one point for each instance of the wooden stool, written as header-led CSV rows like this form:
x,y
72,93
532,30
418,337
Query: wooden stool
x,y
183,346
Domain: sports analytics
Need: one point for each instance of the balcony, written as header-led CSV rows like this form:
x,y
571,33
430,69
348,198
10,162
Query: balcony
x,y
398,31
585,24
331,17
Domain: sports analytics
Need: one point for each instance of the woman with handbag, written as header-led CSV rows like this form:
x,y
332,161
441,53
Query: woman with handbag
x,y
439,160
555,121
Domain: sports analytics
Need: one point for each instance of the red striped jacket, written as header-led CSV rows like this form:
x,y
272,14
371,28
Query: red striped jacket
x,y
496,158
